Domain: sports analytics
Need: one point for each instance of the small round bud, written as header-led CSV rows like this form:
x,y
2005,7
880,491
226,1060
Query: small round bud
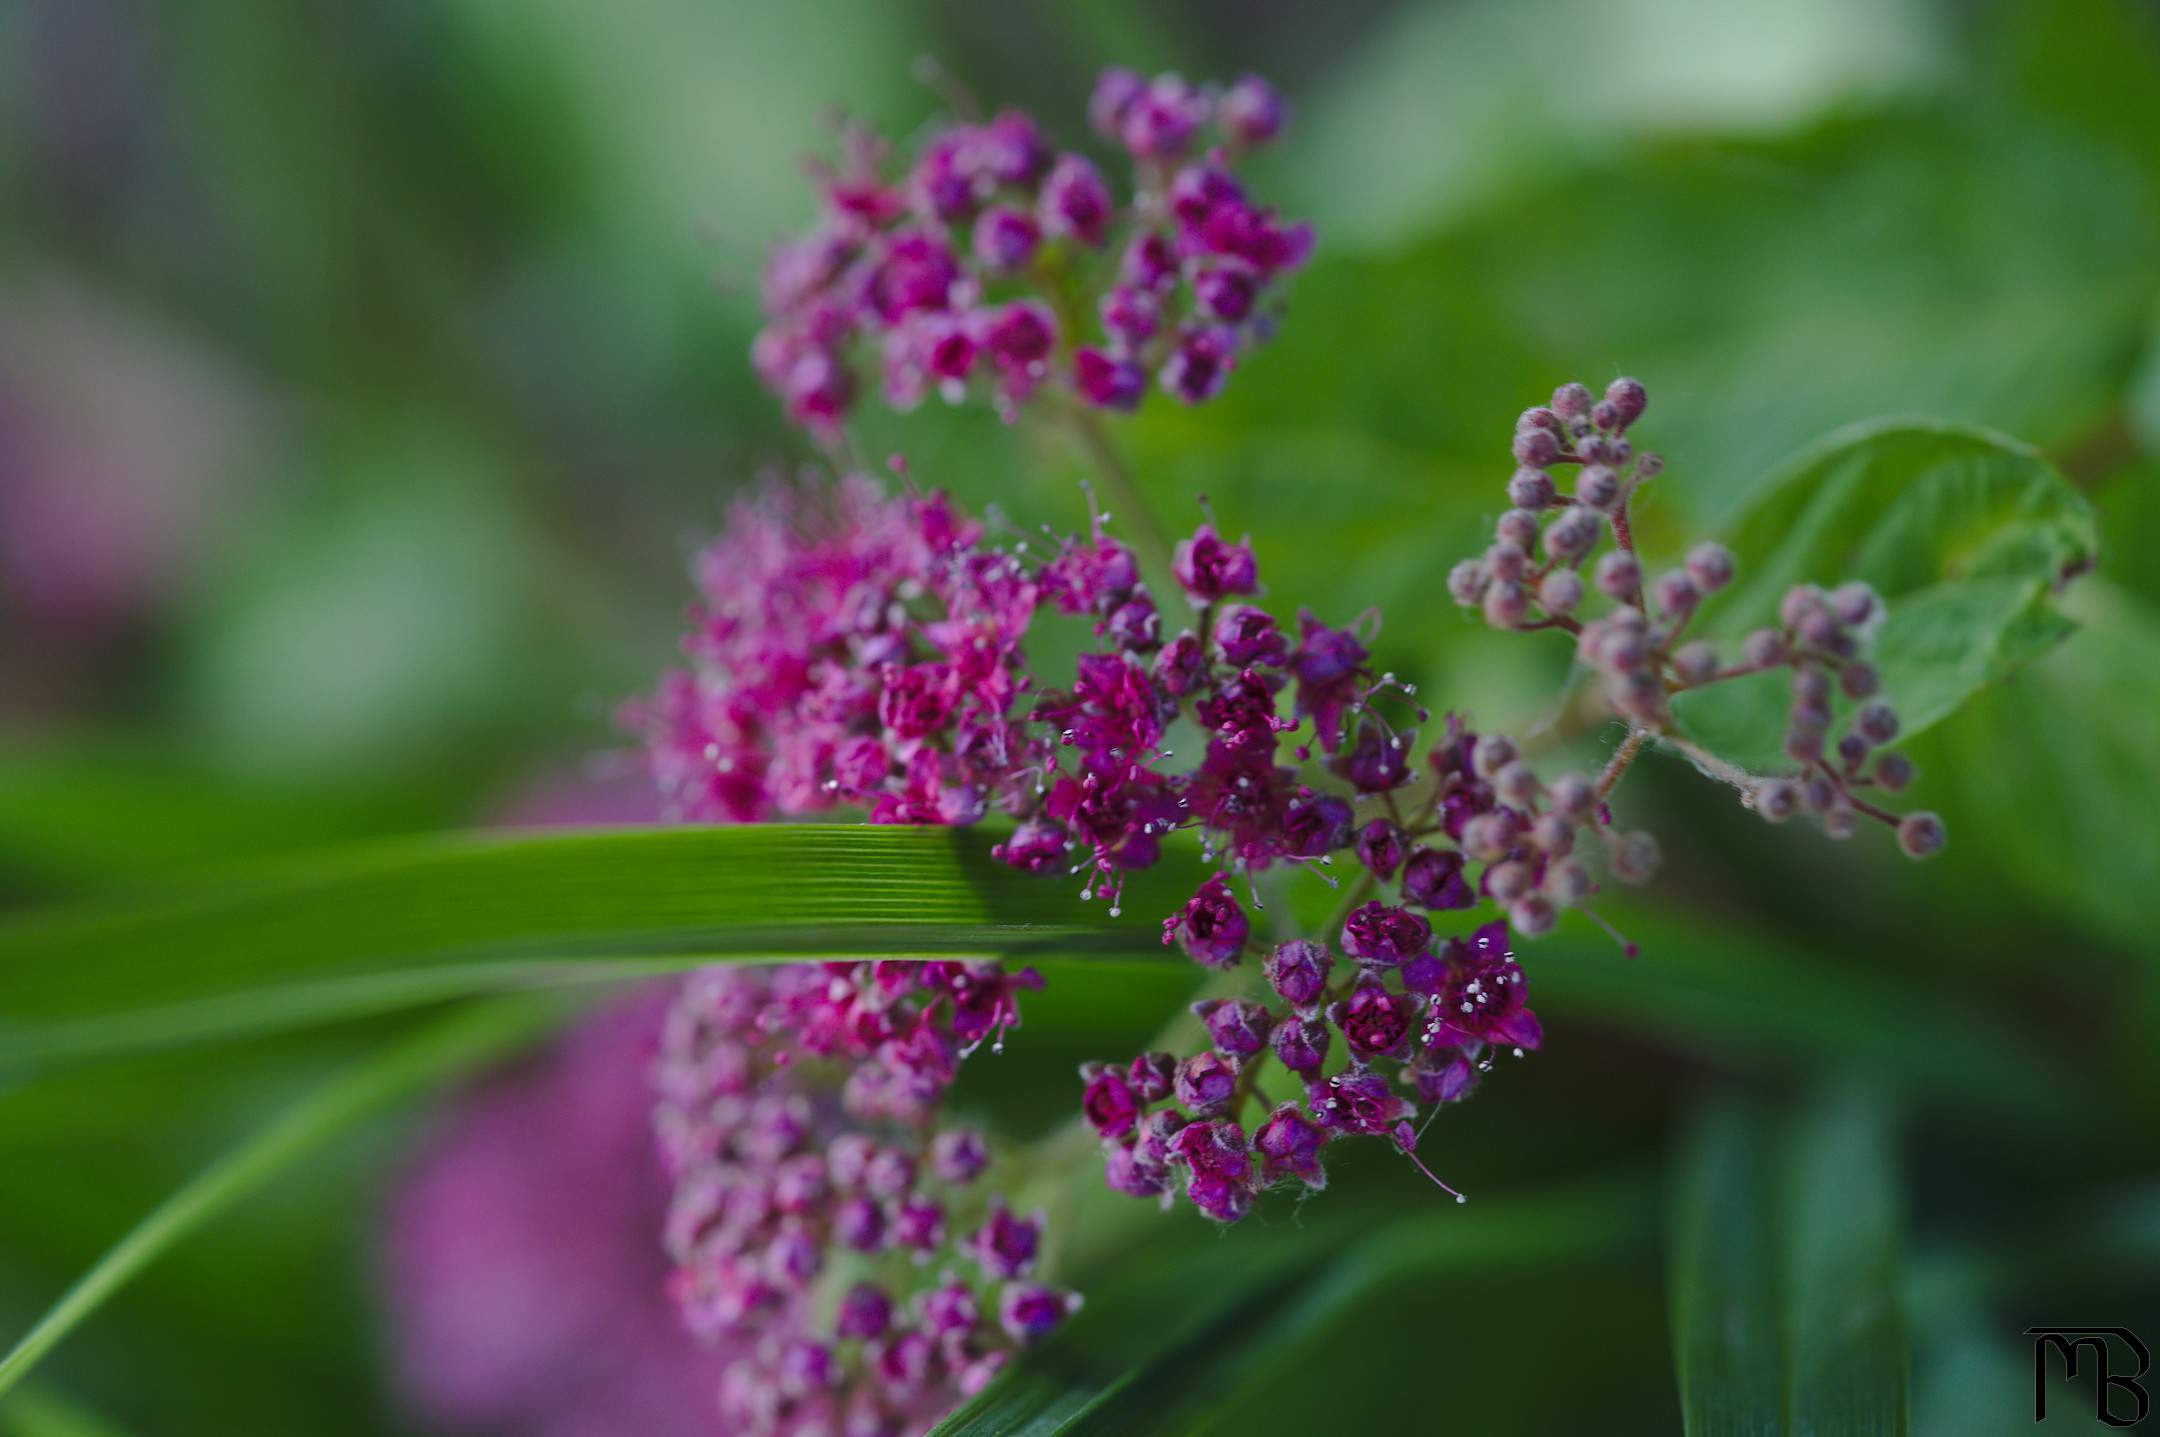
x,y
1517,784
1536,448
1572,401
1799,601
1619,575
1488,837
1777,799
1634,859
1764,648
1537,416
1532,915
1818,629
1598,486
1820,794
1494,752
1604,416
1803,745
1675,594
1505,561
1627,398
1623,651
1518,527
1810,685
1805,717
1649,467
1571,536
1531,489
1852,751
1710,565
1860,680
1877,723
1507,604
1466,582
1893,771
1573,795
1561,591
1853,603
1552,834
1507,882
1629,621
1696,663
1622,451
1840,821
1639,695
1597,449
1568,883
1921,835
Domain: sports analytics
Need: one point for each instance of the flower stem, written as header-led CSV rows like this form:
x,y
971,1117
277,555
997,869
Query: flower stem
x,y
1623,757
1148,534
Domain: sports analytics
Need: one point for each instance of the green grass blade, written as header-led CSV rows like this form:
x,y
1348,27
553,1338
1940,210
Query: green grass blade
x,y
1786,1293
394,925
41,1412
1156,1348
430,1056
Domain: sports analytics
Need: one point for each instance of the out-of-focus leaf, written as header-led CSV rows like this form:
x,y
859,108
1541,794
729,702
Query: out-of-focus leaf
x,y
411,923
1787,1313
1968,536
1736,997
1159,1344
1483,128
438,1052
2061,768
41,1412
96,811
1898,262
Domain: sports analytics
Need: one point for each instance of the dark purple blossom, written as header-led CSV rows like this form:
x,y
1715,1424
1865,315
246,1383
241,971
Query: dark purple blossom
x,y
1289,1144
1211,928
1380,935
1298,970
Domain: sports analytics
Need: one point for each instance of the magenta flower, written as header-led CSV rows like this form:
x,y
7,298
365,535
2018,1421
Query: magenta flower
x,y
1485,995
903,259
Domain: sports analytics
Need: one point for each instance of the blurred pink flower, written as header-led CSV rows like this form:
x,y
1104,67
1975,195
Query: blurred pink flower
x,y
522,1262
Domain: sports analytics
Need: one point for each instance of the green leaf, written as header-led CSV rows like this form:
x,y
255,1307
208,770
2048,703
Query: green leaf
x,y
1968,536
41,1412
395,925
2060,770
1787,1315
1160,1343
414,1064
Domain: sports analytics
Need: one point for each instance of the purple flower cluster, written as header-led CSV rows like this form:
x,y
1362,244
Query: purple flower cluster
x,y
1532,577
968,268
823,1225
849,649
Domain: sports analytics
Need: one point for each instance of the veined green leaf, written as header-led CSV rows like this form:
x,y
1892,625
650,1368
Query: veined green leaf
x,y
1967,535
395,925
430,1056
1787,1312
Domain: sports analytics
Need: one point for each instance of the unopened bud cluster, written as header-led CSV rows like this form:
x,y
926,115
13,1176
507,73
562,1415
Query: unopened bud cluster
x,y
1549,553
823,1223
993,263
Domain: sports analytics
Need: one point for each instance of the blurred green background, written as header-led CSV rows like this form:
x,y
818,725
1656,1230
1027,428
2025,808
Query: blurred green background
x,y
367,371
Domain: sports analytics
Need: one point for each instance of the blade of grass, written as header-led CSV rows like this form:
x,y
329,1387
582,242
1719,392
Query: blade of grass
x,y
1154,1353
430,1056
395,925
41,1412
1787,1311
